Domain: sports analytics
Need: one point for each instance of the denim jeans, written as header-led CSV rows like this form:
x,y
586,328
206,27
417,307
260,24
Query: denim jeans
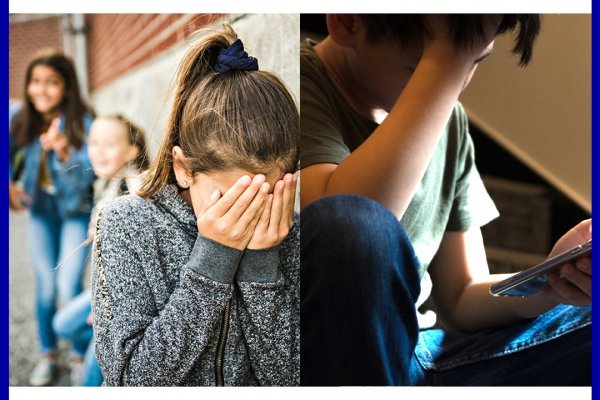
x,y
59,257
70,323
359,327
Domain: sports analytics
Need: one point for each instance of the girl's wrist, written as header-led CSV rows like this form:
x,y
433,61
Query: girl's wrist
x,y
259,265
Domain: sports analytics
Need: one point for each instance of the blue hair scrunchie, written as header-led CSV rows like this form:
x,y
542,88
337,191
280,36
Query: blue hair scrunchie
x,y
234,57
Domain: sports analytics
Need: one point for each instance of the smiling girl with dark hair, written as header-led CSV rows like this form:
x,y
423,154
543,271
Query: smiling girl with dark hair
x,y
49,135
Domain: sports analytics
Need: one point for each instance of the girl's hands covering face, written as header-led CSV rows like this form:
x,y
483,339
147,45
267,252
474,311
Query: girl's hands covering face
x,y
277,216
231,218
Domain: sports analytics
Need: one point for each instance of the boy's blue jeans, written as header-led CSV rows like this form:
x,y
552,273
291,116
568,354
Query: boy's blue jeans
x,y
71,323
59,258
359,327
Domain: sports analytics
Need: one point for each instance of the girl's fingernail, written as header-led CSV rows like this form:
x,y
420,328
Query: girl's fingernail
x,y
215,195
245,180
279,185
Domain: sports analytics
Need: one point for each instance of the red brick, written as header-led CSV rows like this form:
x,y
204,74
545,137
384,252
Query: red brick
x,y
116,41
25,39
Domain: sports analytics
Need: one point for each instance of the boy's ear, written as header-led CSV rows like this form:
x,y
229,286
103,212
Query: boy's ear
x,y
343,28
182,174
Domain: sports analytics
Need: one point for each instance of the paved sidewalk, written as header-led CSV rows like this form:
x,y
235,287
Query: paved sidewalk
x,y
24,347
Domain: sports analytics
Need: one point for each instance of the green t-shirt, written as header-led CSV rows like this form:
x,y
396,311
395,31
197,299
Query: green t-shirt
x,y
451,195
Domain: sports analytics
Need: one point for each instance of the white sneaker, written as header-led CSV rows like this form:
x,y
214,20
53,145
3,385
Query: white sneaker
x,y
43,373
77,370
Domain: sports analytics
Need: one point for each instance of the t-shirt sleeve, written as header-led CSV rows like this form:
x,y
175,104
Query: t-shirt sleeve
x,y
472,206
321,139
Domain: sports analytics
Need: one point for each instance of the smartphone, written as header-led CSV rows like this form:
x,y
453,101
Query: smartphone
x,y
530,281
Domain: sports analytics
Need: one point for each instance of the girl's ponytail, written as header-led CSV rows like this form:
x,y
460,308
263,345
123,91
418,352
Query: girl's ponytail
x,y
226,114
194,67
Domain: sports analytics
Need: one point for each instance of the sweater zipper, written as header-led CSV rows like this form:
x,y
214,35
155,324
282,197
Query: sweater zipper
x,y
221,345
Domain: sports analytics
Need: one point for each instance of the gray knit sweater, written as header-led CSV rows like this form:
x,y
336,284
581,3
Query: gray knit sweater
x,y
167,302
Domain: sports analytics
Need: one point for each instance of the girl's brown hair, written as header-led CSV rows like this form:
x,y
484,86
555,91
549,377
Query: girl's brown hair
x,y
238,119
29,123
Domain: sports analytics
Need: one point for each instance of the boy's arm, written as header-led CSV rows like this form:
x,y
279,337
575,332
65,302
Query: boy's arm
x,y
389,165
461,282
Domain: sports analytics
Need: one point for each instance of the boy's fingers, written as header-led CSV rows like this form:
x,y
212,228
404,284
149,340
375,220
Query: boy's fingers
x,y
584,265
577,278
584,229
567,291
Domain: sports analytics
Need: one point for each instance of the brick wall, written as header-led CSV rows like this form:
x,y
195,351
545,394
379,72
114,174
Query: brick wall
x,y
27,35
119,42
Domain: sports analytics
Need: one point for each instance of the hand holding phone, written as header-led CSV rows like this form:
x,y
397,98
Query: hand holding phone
x,y
532,280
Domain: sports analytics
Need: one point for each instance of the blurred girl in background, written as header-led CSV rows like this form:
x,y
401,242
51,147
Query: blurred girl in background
x,y
117,151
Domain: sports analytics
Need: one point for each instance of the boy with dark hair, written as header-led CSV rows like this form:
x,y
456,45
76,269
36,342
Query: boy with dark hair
x,y
390,190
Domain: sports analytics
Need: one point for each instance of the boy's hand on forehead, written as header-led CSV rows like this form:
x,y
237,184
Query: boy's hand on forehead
x,y
278,215
231,219
442,44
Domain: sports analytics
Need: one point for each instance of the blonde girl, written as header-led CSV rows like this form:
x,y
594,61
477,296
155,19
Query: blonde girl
x,y
118,154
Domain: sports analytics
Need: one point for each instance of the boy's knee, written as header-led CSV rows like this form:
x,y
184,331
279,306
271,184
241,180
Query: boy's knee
x,y
361,216
354,235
